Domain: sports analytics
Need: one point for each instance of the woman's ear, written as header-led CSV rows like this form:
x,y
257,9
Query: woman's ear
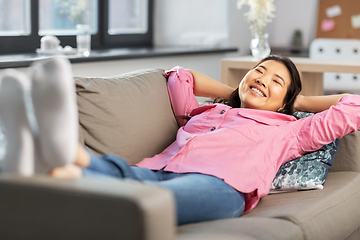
x,y
282,108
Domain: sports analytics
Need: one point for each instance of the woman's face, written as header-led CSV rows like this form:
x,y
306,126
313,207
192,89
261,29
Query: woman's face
x,y
265,86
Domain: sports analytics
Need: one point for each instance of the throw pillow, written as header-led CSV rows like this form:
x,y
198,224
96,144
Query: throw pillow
x,y
308,171
128,115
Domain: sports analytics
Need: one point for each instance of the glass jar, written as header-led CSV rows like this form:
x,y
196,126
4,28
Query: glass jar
x,y
259,46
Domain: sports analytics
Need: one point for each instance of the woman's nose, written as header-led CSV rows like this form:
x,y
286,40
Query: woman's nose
x,y
262,82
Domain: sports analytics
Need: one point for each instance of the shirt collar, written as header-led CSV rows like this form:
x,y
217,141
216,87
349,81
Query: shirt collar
x,y
266,117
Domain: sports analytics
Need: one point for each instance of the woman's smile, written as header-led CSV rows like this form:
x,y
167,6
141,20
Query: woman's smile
x,y
257,91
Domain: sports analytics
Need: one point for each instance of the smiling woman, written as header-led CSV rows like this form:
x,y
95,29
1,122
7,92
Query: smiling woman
x,y
273,84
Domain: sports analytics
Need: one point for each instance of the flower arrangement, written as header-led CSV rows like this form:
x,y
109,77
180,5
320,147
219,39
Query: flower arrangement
x,y
261,12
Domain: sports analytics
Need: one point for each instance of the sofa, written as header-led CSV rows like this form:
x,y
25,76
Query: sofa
x,y
130,115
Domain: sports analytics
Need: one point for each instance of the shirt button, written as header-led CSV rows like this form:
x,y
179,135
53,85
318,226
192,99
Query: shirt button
x,y
213,128
222,112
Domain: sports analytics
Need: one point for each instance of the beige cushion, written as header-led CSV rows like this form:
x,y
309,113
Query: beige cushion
x,y
331,213
348,155
128,115
241,229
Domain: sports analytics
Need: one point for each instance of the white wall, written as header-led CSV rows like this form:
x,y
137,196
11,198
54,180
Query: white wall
x,y
208,64
219,22
292,15
202,63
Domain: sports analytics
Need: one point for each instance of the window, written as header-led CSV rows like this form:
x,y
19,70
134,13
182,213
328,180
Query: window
x,y
129,22
14,18
113,23
127,16
60,17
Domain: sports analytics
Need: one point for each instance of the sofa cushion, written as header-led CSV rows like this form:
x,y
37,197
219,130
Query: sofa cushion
x,y
241,229
128,115
348,155
331,213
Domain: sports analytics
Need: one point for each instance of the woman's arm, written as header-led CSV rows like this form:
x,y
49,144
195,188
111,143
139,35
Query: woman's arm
x,y
326,126
316,104
205,86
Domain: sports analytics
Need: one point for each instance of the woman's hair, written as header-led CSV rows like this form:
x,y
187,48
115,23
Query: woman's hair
x,y
292,91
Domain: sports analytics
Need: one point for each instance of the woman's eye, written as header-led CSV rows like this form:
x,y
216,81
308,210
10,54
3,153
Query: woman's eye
x,y
277,82
258,71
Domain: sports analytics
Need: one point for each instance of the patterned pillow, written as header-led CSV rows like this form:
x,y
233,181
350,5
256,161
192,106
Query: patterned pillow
x,y
308,171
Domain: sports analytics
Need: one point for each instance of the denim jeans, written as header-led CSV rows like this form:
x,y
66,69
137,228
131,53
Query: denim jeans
x,y
198,197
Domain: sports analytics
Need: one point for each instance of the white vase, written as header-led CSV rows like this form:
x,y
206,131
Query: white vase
x,y
259,46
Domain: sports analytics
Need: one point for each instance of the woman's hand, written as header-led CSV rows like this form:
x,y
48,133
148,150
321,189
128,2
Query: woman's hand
x,y
298,103
316,104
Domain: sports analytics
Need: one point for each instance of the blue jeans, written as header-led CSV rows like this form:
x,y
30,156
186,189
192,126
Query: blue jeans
x,y
198,197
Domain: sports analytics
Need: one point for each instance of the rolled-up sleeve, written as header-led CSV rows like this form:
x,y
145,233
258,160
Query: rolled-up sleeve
x,y
324,127
181,91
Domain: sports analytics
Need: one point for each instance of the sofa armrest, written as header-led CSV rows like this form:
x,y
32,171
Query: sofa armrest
x,y
45,208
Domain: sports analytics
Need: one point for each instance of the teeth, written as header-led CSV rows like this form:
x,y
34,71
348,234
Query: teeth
x,y
257,91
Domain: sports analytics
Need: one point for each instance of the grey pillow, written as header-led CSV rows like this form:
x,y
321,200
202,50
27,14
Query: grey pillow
x,y
128,115
308,171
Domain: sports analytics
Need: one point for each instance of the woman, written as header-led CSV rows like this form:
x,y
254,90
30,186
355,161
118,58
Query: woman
x,y
226,154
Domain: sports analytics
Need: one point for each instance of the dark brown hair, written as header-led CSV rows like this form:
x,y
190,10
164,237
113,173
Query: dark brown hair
x,y
293,90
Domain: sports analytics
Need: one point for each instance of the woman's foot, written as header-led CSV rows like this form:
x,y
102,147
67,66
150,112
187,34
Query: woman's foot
x,y
69,171
73,170
14,93
82,157
55,109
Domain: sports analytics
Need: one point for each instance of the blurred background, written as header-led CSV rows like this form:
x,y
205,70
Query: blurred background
x,y
210,23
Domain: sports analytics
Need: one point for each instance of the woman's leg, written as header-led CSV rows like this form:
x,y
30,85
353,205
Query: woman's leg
x,y
55,110
198,197
202,197
19,155
52,133
88,164
116,167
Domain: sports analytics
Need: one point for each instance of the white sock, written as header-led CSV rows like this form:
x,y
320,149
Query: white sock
x,y
14,92
55,109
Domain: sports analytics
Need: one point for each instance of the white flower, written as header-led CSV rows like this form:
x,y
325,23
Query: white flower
x,y
261,12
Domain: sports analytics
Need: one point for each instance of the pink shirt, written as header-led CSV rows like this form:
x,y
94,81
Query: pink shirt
x,y
244,147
